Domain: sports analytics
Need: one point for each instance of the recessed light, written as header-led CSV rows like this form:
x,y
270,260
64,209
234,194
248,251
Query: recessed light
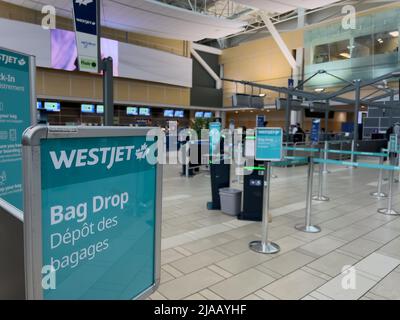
x,y
394,34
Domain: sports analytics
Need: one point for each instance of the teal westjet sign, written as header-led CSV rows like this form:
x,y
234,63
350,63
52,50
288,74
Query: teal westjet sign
x,y
269,143
98,218
15,117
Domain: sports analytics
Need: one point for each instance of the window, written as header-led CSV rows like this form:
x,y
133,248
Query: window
x,y
321,53
339,50
362,47
386,42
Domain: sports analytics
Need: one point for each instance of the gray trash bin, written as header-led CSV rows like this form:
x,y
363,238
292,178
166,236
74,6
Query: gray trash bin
x,y
231,201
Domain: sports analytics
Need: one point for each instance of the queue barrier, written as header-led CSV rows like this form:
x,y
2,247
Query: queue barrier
x,y
357,153
301,149
358,164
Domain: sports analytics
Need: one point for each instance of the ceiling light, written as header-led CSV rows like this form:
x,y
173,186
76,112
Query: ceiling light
x,y
262,95
345,55
319,90
380,40
394,34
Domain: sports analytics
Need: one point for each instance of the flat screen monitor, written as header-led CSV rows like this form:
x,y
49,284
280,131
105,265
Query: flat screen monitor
x,y
52,106
100,109
208,115
87,108
318,114
169,113
132,111
199,114
39,105
179,114
144,112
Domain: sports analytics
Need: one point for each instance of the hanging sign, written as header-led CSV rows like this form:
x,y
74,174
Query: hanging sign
x,y
87,31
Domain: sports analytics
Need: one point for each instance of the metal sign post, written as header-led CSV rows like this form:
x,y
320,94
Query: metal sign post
x,y
379,194
308,227
108,91
320,196
389,210
265,246
92,203
268,147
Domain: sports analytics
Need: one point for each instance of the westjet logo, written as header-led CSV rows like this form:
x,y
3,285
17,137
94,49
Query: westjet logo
x,y
7,59
107,156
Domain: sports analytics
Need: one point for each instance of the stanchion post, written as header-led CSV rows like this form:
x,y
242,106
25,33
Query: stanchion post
x,y
326,146
320,196
308,227
379,194
389,210
187,159
352,158
264,246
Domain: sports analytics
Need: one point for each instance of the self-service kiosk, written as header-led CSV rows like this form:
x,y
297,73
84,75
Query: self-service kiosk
x,y
253,183
253,190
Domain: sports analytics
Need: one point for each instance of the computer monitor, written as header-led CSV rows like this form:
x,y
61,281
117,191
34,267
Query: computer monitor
x,y
88,108
169,113
132,111
39,105
199,114
144,112
208,115
52,106
100,109
179,114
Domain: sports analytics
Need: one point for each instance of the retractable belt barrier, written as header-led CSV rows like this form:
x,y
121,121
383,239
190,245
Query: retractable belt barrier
x,y
323,161
358,164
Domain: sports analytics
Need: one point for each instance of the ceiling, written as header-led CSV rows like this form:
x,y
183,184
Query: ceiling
x,y
282,6
178,19
150,17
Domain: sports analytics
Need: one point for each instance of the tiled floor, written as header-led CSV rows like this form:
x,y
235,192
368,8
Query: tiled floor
x,y
205,254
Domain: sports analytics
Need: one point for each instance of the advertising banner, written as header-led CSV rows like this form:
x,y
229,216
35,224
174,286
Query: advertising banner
x,y
268,144
99,216
315,130
15,117
87,30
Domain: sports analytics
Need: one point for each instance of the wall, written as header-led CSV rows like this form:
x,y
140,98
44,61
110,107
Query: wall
x,y
64,84
258,61
77,85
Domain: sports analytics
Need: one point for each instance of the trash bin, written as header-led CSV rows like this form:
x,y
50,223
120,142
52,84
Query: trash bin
x,y
231,201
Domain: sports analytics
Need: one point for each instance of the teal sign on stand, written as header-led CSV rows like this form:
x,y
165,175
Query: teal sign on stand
x,y
15,117
269,143
215,138
393,143
99,221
